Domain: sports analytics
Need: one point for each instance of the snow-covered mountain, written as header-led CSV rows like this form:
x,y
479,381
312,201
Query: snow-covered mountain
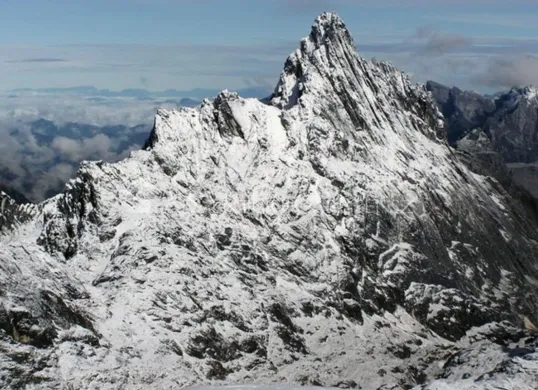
x,y
325,236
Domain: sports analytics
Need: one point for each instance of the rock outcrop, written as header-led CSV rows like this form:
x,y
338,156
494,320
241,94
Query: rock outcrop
x,y
509,120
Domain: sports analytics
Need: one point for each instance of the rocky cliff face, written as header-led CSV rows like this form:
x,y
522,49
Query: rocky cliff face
x,y
514,128
14,212
463,110
509,120
328,235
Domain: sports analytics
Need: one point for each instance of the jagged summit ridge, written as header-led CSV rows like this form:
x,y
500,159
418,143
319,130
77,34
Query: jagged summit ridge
x,y
324,237
328,34
329,28
327,74
528,92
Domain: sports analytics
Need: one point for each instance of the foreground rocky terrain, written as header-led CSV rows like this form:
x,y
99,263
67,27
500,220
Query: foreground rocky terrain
x,y
327,235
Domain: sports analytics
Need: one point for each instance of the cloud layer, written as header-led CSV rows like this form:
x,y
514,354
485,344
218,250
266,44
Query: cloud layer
x,y
38,156
433,42
39,167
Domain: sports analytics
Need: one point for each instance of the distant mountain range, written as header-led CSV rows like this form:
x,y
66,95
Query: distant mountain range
x,y
197,93
506,124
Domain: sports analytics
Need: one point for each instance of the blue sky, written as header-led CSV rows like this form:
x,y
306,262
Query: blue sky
x,y
183,44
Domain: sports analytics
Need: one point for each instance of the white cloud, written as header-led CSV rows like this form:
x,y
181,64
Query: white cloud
x,y
39,167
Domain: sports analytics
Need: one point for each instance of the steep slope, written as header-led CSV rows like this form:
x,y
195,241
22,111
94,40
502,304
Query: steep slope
x,y
514,128
327,236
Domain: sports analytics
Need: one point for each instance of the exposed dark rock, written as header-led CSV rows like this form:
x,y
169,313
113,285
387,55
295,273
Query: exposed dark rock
x,y
504,128
463,110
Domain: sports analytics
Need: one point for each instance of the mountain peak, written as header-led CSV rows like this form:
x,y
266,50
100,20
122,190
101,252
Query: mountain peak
x,y
328,46
214,255
327,27
530,91
326,71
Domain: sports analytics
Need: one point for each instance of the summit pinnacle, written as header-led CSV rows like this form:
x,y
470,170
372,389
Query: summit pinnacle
x,y
328,27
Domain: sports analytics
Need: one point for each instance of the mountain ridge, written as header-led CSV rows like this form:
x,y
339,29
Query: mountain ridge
x,y
509,120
